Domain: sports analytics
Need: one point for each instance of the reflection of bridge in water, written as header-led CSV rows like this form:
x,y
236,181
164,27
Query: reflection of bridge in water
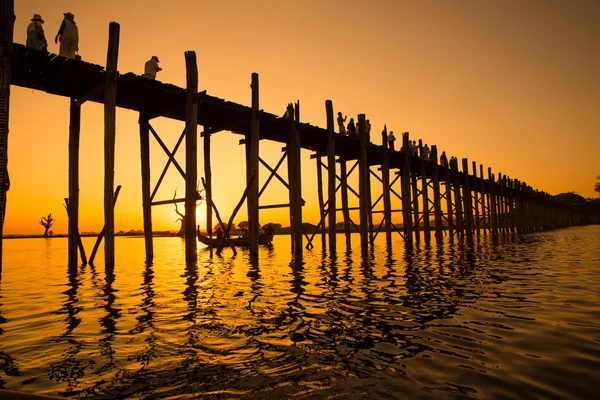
x,y
436,200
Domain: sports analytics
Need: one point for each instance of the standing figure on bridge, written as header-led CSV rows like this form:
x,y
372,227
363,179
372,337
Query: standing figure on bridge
x,y
68,34
341,120
391,139
444,159
151,68
425,152
36,39
351,128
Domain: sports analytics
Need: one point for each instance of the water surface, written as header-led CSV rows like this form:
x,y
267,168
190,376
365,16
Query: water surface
x,y
516,317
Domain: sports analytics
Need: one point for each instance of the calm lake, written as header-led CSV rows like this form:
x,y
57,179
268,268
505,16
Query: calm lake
x,y
512,318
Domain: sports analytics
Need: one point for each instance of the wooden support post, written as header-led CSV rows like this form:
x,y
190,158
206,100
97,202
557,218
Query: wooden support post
x,y
295,180
457,199
502,202
103,231
73,204
207,183
415,206
191,155
437,198
252,168
449,205
146,200
363,183
7,21
345,211
425,197
405,190
467,199
484,219
110,98
518,206
492,194
331,179
476,197
321,200
385,172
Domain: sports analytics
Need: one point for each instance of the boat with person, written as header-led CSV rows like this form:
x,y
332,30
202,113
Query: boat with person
x,y
265,237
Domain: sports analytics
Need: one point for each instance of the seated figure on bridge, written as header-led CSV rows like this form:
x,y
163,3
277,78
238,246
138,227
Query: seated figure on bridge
x,y
151,68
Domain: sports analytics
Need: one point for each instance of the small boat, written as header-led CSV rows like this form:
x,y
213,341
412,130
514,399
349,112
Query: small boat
x,y
264,238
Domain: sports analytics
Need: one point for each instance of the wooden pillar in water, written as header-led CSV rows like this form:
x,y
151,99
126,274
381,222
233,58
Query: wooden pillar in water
x,y
435,180
449,207
385,177
345,211
295,178
363,183
492,194
457,199
145,163
405,181
500,203
467,199
484,219
74,130
518,206
476,197
191,155
321,200
7,21
425,197
208,183
415,198
110,97
331,177
252,168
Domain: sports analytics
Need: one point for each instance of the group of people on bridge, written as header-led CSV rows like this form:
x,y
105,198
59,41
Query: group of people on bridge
x,y
68,36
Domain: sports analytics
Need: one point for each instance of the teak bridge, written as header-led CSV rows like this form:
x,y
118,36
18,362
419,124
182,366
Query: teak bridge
x,y
436,200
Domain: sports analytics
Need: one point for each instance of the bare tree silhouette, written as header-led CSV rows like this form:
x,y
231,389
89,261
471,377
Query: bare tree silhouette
x,y
47,223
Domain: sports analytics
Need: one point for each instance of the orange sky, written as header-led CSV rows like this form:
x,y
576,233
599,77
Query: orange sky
x,y
510,84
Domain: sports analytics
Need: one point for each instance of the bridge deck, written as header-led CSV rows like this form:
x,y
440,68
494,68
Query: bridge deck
x,y
78,79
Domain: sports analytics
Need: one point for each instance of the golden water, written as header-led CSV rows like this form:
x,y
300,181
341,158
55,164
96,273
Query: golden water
x,y
517,317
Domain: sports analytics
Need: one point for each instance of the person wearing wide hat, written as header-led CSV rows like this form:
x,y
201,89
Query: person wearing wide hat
x,y
151,68
36,39
68,34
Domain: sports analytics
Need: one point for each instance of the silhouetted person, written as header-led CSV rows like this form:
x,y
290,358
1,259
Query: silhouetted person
x,y
151,68
36,39
351,128
444,160
341,121
68,34
368,130
391,139
425,152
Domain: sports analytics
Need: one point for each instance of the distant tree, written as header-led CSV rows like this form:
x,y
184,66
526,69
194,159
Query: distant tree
x,y
571,198
597,185
243,225
47,223
275,225
181,218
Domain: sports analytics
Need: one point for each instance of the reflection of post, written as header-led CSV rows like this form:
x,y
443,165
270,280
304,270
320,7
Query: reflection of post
x,y
109,321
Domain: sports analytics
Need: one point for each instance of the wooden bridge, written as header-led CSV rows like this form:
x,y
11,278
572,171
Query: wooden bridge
x,y
436,200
